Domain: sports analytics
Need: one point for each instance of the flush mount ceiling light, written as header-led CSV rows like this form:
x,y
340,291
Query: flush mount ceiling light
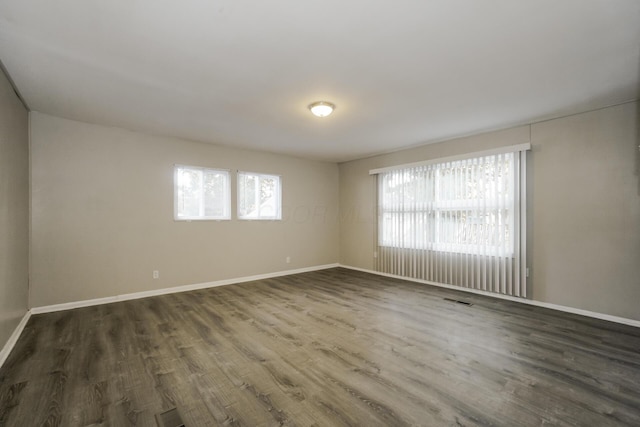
x,y
321,108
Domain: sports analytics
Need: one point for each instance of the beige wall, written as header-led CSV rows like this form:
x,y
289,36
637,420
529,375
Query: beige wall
x,y
102,214
584,206
14,210
102,211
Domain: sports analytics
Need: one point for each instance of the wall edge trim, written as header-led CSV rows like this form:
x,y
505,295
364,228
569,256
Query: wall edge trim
x,y
557,307
13,339
173,290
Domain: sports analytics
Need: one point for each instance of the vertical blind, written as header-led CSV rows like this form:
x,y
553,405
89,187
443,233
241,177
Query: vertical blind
x,y
458,222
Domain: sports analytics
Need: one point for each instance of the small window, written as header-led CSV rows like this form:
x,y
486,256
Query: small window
x,y
201,193
259,196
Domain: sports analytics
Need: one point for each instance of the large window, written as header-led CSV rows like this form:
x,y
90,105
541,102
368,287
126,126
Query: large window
x,y
457,221
201,193
259,196
464,206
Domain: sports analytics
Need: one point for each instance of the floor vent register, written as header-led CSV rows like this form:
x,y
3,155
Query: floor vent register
x,y
458,301
170,418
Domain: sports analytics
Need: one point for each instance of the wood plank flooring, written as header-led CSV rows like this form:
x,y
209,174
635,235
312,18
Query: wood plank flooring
x,y
328,348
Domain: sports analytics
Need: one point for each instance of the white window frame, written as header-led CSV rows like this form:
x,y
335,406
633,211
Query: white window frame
x,y
278,194
226,197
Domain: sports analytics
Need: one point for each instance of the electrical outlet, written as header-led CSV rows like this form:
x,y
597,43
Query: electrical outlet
x,y
156,274
288,259
527,271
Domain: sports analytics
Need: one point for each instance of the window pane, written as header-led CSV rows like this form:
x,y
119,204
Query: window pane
x,y
189,187
268,200
247,203
462,206
258,196
215,187
201,193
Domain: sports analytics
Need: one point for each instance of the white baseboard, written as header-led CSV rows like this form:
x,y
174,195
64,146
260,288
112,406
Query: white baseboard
x,y
596,315
13,339
164,291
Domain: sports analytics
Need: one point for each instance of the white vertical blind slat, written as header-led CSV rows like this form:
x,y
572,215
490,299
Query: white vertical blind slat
x,y
456,223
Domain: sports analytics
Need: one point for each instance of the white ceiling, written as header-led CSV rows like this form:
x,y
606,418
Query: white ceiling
x,y
242,72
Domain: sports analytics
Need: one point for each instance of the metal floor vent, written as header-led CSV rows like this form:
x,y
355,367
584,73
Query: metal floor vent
x,y
458,301
170,418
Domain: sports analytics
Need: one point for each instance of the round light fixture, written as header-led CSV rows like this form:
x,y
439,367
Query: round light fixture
x,y
321,108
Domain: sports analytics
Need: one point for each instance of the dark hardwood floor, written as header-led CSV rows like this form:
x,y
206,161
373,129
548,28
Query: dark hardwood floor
x,y
328,348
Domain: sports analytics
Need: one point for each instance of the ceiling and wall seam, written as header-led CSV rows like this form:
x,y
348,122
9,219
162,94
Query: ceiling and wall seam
x,y
13,85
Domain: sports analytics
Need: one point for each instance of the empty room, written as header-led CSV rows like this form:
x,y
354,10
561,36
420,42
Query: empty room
x,y
338,213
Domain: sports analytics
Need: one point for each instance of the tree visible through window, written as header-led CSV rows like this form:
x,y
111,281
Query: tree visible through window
x,y
201,193
461,206
459,221
259,196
